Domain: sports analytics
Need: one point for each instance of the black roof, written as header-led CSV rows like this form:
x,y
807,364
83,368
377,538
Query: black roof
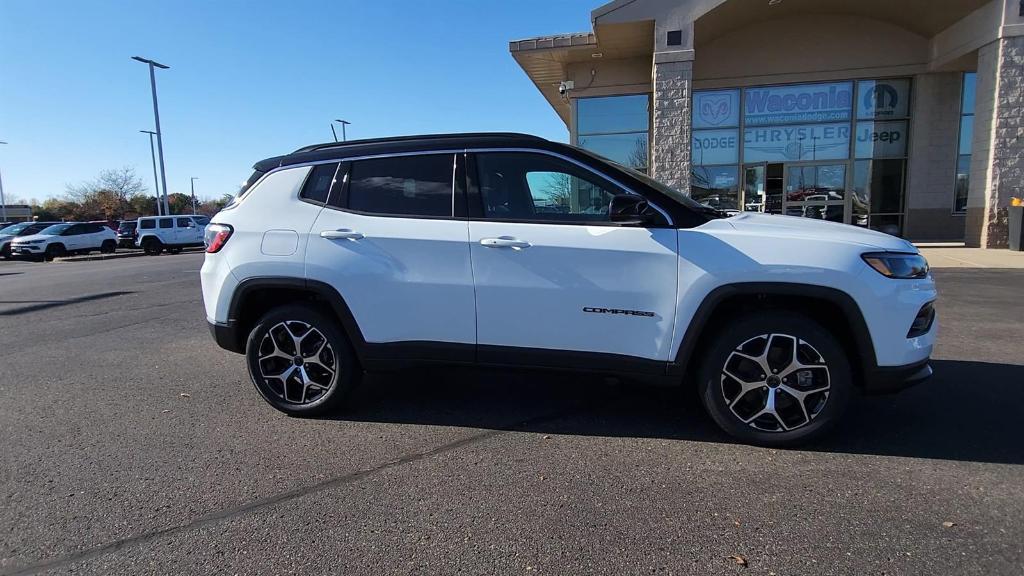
x,y
398,144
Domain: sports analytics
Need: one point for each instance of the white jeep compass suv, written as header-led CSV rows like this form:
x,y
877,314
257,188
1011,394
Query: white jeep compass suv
x,y
66,238
510,250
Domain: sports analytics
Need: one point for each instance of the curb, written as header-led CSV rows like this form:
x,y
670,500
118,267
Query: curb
x,y
114,256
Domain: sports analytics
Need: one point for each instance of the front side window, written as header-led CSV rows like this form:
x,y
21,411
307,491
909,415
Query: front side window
x,y
167,222
536,187
184,222
419,185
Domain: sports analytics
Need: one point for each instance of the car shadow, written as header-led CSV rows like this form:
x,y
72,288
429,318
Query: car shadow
x,y
969,411
37,305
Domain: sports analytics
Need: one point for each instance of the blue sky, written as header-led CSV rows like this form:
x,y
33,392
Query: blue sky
x,y
254,79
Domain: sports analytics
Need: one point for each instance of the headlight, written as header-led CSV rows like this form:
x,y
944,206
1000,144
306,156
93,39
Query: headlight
x,y
897,265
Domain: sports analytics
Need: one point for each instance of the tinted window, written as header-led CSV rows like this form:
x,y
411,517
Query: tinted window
x,y
74,230
318,184
520,186
167,222
127,227
92,228
184,222
202,220
405,185
147,224
55,229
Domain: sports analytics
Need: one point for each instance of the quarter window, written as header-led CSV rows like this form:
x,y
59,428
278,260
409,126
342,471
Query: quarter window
x,y
419,185
318,185
518,186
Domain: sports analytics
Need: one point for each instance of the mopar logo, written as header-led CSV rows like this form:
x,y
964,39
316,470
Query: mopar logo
x,y
618,311
880,97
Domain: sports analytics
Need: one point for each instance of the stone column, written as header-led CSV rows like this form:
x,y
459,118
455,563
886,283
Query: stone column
x,y
997,161
670,134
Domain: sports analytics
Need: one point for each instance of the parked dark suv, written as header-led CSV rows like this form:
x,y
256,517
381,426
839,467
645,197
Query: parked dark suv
x,y
126,233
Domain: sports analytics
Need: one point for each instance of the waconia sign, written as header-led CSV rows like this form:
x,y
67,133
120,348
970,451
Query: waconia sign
x,y
797,103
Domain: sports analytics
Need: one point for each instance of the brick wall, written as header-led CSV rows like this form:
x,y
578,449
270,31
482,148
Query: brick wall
x,y
670,140
997,164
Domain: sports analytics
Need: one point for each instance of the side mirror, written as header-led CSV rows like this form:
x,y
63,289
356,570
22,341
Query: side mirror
x,y
628,209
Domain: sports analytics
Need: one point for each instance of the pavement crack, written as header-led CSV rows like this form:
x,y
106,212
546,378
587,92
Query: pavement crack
x,y
275,499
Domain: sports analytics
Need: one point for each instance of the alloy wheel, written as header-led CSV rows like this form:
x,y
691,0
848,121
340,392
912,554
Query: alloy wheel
x,y
297,362
775,382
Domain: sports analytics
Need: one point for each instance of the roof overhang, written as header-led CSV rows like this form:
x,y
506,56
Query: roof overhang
x,y
546,59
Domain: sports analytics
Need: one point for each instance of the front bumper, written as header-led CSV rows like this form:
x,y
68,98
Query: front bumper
x,y
226,336
889,379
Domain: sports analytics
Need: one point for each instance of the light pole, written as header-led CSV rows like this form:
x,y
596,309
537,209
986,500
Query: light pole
x,y
343,124
156,115
194,178
156,182
3,201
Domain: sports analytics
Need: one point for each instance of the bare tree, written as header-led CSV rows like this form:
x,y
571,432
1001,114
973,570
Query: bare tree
x,y
123,183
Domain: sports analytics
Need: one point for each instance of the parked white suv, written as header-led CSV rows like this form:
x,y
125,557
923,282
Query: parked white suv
x,y
154,234
509,250
66,238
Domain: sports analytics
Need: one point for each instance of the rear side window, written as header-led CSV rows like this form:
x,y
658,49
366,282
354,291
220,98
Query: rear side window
x,y
93,228
147,224
167,222
418,185
318,184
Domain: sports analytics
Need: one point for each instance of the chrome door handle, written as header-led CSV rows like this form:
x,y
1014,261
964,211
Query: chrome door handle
x,y
342,234
504,242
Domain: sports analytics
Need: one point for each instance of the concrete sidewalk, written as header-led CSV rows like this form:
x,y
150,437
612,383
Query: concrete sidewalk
x,y
960,257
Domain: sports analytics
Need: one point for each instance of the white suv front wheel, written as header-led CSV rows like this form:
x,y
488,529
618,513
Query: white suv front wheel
x,y
300,361
775,379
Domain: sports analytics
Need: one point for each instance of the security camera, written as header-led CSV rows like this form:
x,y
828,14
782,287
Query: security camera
x,y
565,86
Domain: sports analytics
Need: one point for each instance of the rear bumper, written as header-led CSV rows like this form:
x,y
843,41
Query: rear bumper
x,y
889,379
226,336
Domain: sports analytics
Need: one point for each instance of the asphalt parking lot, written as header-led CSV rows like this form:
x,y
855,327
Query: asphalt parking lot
x,y
132,444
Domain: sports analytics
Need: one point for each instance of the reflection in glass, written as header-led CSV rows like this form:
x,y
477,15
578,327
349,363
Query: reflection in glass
x,y
612,114
970,83
963,178
816,183
626,149
966,134
888,223
753,189
716,186
878,186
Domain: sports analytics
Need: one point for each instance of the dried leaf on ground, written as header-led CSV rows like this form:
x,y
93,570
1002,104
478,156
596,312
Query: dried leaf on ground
x,y
739,559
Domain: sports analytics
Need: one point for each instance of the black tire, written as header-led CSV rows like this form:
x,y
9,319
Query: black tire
x,y
338,353
54,251
152,246
726,402
108,247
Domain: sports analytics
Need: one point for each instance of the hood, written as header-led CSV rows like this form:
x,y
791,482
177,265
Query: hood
x,y
797,227
34,237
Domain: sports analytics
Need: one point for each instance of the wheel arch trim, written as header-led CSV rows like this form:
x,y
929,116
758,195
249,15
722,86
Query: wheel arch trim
x,y
709,305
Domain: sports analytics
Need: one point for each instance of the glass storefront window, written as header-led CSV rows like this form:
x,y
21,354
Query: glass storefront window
x,y
964,144
883,98
794,143
626,149
877,189
716,109
716,186
615,127
709,147
881,139
816,183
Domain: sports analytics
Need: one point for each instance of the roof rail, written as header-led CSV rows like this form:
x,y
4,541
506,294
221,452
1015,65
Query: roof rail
x,y
516,135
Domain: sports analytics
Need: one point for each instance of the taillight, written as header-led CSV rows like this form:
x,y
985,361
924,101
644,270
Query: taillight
x,y
216,236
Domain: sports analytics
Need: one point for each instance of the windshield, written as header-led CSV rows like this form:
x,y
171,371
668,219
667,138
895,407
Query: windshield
x,y
666,190
55,229
15,228
127,226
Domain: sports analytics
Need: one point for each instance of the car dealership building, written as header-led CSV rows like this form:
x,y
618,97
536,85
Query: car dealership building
x,y
905,116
